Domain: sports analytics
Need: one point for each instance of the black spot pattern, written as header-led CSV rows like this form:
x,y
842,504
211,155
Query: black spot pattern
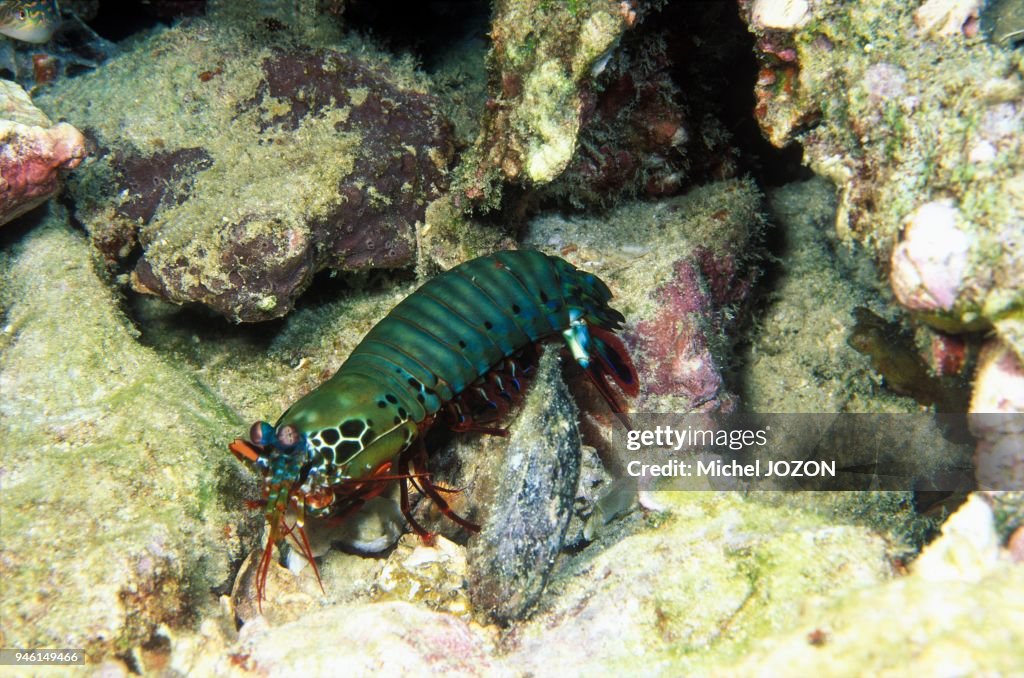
x,y
352,428
347,448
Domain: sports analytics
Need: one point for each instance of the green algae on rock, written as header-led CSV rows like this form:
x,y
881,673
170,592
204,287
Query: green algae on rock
x,y
120,510
270,163
719,585
715,574
544,54
727,587
961,607
799,358
921,137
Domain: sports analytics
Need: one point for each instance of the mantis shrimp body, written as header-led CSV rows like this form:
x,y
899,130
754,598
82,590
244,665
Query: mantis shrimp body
x,y
458,350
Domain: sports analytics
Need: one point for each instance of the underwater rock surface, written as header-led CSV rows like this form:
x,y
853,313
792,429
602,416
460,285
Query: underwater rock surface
x,y
681,271
920,130
120,510
693,590
394,637
800,359
716,585
34,153
267,165
541,66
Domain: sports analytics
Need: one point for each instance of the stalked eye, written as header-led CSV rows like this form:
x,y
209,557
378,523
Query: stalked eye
x,y
243,451
22,14
288,436
261,433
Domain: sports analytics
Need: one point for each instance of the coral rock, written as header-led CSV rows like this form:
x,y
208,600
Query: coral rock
x,y
544,60
967,549
108,459
921,142
33,153
270,164
780,14
928,265
943,18
997,418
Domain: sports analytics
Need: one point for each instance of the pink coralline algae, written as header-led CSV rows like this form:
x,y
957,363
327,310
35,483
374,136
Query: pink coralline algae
x,y
33,153
678,359
929,264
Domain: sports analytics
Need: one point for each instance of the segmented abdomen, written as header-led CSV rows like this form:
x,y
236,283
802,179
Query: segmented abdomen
x,y
458,325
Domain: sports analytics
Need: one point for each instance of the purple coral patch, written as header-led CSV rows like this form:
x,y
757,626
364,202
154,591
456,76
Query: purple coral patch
x,y
397,129
156,180
250,259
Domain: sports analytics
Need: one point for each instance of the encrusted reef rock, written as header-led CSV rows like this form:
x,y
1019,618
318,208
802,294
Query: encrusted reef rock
x,y
917,120
681,271
720,585
120,510
651,122
918,125
997,420
800,359
545,56
34,153
960,607
268,164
